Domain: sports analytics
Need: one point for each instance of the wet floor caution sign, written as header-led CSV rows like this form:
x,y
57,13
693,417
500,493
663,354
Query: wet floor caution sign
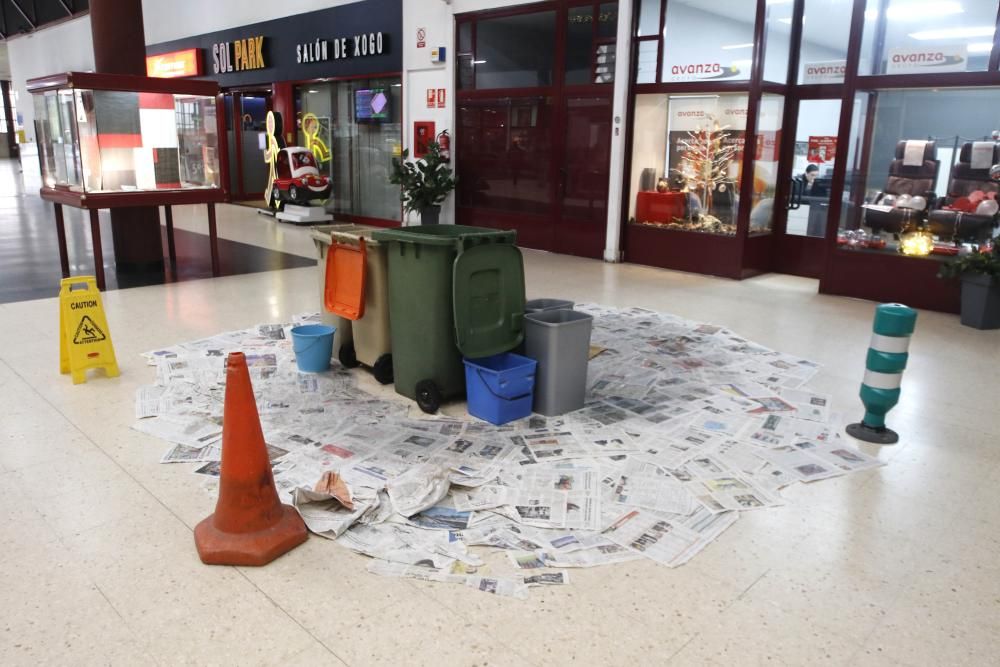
x,y
84,337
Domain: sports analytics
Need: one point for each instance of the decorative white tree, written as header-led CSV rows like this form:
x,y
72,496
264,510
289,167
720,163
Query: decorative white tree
x,y
705,159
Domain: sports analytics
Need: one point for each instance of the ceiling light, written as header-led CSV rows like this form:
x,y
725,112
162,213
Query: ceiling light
x,y
955,33
478,62
313,91
789,21
737,46
917,11
980,47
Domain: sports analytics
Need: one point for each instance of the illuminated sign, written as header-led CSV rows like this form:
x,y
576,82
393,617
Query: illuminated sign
x,y
240,55
356,46
175,64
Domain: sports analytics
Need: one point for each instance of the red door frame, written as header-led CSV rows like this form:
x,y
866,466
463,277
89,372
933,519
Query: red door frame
x,y
542,231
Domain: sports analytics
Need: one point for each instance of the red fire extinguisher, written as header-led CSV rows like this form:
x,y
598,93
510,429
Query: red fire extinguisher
x,y
444,145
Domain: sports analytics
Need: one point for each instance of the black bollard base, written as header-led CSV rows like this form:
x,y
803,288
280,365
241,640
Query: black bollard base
x,y
878,436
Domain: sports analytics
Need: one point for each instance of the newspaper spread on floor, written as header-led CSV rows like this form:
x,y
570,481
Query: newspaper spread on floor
x,y
686,426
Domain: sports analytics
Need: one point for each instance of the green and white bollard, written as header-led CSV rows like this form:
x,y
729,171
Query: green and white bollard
x,y
887,355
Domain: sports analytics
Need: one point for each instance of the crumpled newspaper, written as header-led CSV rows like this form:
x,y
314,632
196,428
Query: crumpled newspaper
x,y
332,484
418,488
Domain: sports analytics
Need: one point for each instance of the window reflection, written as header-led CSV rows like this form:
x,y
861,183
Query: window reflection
x,y
506,154
927,36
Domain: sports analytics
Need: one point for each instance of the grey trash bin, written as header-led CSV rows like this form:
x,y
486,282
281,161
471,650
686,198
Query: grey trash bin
x,y
560,341
539,305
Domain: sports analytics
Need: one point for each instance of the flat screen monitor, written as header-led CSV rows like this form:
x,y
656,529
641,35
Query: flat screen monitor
x,y
371,105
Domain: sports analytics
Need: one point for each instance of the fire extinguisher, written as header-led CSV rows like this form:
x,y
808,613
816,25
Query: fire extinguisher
x,y
444,145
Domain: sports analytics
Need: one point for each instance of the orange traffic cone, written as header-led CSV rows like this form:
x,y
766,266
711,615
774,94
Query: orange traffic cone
x,y
250,525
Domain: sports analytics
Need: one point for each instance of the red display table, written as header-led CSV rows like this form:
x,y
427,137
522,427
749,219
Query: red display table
x,y
659,206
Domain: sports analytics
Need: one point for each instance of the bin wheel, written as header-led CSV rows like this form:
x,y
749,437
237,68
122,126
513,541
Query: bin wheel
x,y
428,396
382,370
347,356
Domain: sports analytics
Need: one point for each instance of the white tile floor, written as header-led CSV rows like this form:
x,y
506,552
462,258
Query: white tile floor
x,y
897,566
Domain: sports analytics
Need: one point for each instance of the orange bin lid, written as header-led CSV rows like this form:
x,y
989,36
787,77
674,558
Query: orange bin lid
x,y
346,266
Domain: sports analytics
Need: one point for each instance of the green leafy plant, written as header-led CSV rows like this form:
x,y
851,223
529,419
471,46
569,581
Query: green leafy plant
x,y
982,263
424,182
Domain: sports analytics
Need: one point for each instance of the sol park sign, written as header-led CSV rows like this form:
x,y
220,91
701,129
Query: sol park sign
x,y
239,55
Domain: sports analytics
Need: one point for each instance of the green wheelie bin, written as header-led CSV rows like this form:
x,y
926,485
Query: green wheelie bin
x,y
454,291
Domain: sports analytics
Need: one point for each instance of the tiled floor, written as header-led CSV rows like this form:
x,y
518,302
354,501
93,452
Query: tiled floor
x,y
896,566
29,252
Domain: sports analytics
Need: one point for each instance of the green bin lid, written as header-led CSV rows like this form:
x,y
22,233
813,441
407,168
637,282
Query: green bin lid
x,y
488,291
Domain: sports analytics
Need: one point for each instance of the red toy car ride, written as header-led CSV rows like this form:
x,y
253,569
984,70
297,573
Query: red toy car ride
x,y
298,179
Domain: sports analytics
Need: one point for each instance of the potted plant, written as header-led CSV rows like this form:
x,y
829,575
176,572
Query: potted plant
x,y
980,274
425,183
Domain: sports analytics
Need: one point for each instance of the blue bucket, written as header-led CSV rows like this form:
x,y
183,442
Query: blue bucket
x,y
313,345
500,388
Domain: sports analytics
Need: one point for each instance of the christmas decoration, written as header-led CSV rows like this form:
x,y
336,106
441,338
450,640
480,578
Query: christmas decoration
x,y
705,159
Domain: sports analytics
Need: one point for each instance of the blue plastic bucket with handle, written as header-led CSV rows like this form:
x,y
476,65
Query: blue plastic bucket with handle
x,y
313,345
500,388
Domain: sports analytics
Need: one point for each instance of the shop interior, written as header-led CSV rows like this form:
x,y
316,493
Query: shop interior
x,y
874,129
354,128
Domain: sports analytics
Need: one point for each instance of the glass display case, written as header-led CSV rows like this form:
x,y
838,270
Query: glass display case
x,y
108,135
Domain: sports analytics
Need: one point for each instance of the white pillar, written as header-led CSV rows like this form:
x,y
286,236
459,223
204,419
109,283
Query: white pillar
x,y
623,58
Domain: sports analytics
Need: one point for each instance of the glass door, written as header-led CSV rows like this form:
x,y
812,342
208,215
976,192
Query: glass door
x,y
584,175
246,116
806,207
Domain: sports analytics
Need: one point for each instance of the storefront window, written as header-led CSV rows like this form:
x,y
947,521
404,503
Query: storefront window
x,y
686,157
646,62
928,189
512,51
765,168
590,43
708,41
778,37
354,130
506,153
928,36
826,27
649,18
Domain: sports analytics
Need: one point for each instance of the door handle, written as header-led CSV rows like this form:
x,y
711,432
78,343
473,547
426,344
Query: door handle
x,y
795,199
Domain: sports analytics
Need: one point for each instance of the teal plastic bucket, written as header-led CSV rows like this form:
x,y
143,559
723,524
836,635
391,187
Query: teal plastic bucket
x,y
313,345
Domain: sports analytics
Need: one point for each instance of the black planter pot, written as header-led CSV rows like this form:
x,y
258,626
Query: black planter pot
x,y
430,215
980,301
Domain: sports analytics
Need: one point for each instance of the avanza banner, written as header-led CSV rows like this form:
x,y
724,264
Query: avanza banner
x,y
349,40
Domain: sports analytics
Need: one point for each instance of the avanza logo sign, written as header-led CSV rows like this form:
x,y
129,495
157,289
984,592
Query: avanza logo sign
x,y
946,59
697,71
827,71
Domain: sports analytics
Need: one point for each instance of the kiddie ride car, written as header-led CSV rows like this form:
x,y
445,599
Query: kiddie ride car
x,y
297,178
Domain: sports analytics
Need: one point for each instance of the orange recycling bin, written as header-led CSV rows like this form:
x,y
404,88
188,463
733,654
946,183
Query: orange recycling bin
x,y
356,293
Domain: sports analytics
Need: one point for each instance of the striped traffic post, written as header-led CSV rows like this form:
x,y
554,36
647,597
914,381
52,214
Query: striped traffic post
x,y
887,355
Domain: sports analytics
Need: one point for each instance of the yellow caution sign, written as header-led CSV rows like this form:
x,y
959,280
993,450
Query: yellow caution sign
x,y
84,337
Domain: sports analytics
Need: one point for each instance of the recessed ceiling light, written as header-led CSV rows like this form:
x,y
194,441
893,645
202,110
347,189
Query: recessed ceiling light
x,y
916,11
955,33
